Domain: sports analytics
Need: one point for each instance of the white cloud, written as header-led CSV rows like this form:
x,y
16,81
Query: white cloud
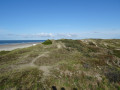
x,y
44,35
49,35
33,35
105,34
67,35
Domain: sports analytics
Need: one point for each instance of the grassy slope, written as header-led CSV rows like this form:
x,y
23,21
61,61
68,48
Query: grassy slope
x,y
80,64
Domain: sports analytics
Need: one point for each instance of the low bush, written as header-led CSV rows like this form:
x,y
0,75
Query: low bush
x,y
91,43
47,42
4,52
116,53
113,75
93,49
77,44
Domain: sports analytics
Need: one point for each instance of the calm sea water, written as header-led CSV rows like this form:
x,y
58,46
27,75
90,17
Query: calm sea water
x,y
5,42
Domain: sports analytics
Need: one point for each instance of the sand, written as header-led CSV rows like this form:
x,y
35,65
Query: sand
x,y
16,46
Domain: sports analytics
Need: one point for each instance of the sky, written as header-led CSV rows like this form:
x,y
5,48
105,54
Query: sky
x,y
56,19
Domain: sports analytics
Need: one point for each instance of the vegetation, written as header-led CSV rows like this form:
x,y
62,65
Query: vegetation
x,y
22,79
47,42
89,64
4,52
117,53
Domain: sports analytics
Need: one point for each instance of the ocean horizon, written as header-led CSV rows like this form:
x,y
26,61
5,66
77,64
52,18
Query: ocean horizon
x,y
7,42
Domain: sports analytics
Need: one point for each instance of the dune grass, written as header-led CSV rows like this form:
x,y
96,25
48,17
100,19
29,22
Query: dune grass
x,y
21,79
78,64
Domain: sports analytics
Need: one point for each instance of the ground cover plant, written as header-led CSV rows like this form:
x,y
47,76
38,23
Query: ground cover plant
x,y
65,64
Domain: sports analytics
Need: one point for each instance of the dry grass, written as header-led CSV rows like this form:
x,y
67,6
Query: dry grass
x,y
23,79
82,65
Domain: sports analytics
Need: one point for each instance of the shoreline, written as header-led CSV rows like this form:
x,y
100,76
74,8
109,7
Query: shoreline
x,y
10,47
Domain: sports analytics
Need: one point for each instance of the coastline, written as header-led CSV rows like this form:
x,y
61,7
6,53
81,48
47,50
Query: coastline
x,y
10,47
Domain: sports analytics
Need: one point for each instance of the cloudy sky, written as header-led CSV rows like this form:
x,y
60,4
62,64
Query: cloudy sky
x,y
55,19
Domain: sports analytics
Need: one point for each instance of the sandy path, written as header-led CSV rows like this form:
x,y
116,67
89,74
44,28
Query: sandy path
x,y
45,69
117,49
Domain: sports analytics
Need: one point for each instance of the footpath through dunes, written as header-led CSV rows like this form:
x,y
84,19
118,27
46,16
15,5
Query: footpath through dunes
x,y
45,69
62,64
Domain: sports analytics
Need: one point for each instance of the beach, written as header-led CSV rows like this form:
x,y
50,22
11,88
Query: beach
x,y
10,47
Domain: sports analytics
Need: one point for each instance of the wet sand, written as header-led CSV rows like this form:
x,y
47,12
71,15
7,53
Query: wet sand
x,y
16,46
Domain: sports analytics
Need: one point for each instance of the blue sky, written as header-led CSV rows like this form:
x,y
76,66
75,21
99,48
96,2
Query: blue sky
x,y
54,19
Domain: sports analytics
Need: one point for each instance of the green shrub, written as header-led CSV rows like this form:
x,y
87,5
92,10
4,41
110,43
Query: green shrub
x,y
4,52
113,75
116,53
47,42
93,49
77,44
91,43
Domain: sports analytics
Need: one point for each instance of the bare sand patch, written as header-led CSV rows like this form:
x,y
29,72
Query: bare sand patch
x,y
16,46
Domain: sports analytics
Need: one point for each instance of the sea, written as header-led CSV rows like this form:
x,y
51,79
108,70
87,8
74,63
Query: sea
x,y
7,42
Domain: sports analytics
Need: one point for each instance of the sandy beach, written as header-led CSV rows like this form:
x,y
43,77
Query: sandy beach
x,y
16,46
